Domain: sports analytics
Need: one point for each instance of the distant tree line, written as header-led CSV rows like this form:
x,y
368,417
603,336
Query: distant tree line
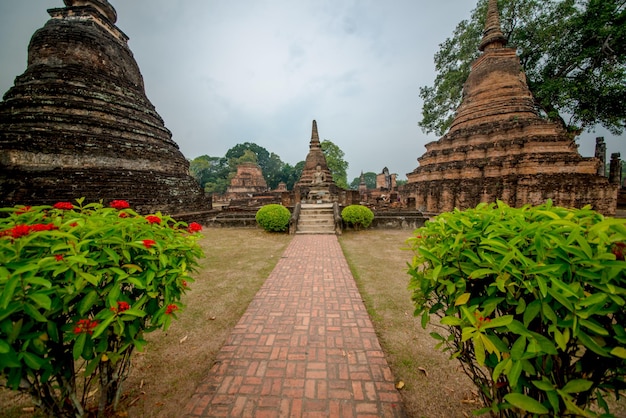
x,y
215,173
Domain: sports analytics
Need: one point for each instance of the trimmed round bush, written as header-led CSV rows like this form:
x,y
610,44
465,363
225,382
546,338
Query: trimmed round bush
x,y
273,218
358,216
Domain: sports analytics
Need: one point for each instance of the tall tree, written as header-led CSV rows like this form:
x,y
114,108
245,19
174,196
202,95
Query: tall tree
x,y
336,164
572,51
211,172
291,174
270,163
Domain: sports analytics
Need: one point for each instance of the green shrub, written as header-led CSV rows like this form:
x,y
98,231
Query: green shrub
x,y
274,218
79,288
533,300
358,216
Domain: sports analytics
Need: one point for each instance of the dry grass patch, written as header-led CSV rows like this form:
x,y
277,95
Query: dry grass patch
x,y
434,385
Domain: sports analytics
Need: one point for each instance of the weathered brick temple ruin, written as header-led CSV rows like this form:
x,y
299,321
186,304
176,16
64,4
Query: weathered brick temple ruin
x,y
499,147
247,181
316,181
78,123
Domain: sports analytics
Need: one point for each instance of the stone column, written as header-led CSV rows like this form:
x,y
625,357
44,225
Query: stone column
x,y
615,169
601,155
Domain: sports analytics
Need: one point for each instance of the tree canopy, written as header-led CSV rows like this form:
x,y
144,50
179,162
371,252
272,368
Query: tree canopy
x,y
370,181
572,51
214,173
336,163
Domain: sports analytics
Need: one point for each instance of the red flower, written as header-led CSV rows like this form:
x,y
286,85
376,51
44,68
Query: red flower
x,y
119,204
121,307
194,227
43,227
24,210
63,205
148,243
59,257
123,215
618,250
185,283
20,231
85,326
153,219
171,308
74,224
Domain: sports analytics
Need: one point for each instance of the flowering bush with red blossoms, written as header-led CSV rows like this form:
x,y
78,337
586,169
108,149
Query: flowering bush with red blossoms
x,y
533,301
80,285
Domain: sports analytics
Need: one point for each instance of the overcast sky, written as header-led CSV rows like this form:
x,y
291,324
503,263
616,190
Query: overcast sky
x,y
225,72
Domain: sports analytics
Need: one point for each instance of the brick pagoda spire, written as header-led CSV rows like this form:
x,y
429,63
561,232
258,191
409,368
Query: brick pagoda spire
x,y
314,158
499,147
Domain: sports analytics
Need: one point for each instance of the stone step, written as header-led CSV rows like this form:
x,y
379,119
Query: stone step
x,y
316,219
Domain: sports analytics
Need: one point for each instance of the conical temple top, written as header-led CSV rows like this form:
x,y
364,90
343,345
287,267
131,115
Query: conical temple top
x,y
103,6
492,35
315,139
314,158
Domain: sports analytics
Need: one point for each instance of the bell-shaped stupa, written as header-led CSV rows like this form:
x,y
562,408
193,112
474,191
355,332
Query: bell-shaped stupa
x,y
315,162
500,148
78,123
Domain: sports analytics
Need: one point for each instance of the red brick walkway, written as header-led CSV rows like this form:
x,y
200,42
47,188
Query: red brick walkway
x,y
304,348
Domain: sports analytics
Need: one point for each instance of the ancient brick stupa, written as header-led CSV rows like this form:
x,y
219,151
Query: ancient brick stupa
x,y
78,123
316,181
248,180
499,147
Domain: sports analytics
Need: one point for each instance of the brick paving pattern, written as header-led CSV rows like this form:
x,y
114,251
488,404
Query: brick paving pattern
x,y
305,347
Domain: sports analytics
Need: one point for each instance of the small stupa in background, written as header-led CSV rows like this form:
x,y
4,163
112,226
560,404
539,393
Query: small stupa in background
x,y
316,183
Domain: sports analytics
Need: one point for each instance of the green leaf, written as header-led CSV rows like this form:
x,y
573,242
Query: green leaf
x,y
134,312
515,372
79,344
4,347
102,326
543,385
500,367
480,273
532,310
525,403
591,344
619,352
87,302
561,339
40,299
38,281
34,313
462,299
518,328
577,386
499,321
451,321
32,360
561,299
595,299
594,327
519,348
479,350
8,292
